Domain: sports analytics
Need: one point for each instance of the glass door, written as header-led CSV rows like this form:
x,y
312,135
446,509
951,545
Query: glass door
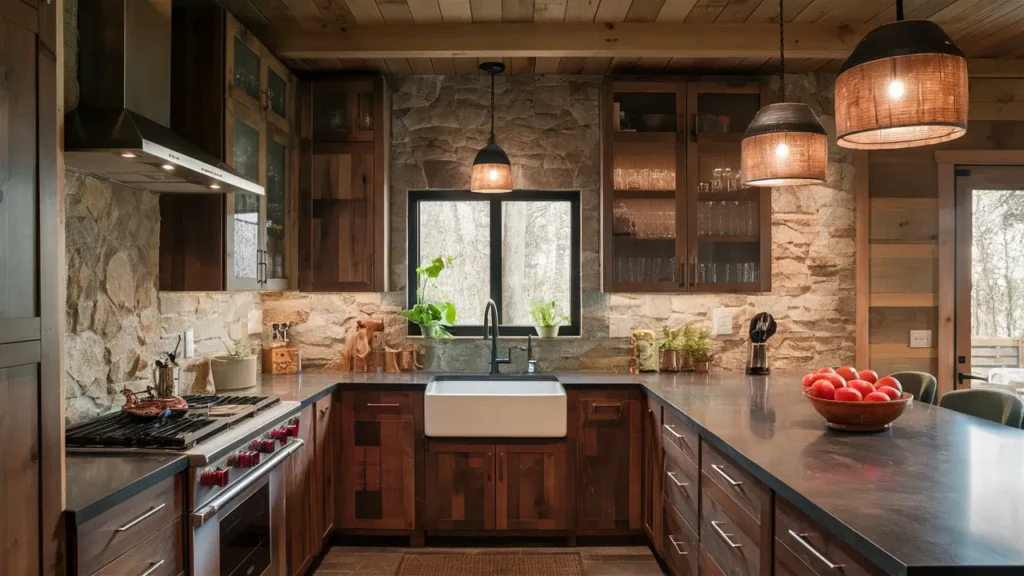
x,y
245,152
245,69
277,229
990,277
730,224
647,240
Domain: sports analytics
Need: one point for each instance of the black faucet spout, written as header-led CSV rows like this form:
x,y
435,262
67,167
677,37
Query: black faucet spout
x,y
491,319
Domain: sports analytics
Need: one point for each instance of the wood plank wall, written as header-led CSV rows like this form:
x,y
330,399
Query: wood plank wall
x,y
898,265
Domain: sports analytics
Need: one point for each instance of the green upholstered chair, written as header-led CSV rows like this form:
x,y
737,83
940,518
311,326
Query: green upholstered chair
x,y
921,384
995,405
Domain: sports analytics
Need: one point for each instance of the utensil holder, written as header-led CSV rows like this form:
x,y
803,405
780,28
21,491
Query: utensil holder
x,y
757,359
164,380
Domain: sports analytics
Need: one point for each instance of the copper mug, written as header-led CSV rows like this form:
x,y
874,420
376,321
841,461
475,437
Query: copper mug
x,y
407,360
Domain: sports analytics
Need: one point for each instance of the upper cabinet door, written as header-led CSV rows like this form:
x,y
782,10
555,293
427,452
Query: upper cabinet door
x,y
277,228
342,217
246,73
729,224
245,152
344,111
278,94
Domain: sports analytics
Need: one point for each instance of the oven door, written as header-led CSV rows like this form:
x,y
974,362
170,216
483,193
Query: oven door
x,y
241,532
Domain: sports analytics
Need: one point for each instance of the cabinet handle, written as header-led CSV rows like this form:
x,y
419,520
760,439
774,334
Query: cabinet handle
x,y
672,475
722,473
672,430
389,405
501,466
676,544
607,405
693,265
325,410
152,567
800,538
152,510
726,537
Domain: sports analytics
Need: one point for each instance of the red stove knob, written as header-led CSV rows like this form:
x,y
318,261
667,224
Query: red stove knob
x,y
216,477
255,458
221,477
267,446
245,460
282,436
254,446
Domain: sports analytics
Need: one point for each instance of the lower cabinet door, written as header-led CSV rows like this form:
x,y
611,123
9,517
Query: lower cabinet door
x,y
531,487
679,543
731,537
460,487
302,538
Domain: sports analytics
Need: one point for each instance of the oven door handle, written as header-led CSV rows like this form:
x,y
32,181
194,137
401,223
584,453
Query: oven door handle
x,y
201,516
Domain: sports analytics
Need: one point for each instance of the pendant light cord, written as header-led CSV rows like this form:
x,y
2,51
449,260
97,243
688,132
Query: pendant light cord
x,y
491,138
782,54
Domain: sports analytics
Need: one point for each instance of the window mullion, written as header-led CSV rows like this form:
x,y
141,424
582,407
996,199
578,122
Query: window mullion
x,y
496,250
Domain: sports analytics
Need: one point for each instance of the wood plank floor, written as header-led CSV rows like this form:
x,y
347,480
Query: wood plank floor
x,y
597,561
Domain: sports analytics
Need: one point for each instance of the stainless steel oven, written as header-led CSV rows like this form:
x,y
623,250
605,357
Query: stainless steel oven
x,y
241,530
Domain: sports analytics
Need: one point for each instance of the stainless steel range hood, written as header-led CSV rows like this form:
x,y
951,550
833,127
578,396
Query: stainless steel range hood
x,y
119,130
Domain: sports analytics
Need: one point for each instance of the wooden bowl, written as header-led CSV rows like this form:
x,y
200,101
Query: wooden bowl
x,y
860,416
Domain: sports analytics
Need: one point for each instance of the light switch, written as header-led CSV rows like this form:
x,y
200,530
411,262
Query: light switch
x,y
190,343
721,320
920,338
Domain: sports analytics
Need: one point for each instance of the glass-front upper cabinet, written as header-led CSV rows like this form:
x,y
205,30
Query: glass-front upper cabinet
x,y
676,216
246,70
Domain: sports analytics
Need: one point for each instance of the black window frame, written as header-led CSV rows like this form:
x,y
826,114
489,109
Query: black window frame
x,y
413,259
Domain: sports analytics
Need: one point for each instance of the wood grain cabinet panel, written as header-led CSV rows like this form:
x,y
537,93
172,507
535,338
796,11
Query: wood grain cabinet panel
x,y
460,487
303,543
161,554
677,432
679,544
749,493
530,487
681,484
731,537
652,461
19,469
324,462
802,546
609,456
378,454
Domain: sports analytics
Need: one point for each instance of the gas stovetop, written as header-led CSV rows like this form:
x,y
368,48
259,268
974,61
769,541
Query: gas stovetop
x,y
207,416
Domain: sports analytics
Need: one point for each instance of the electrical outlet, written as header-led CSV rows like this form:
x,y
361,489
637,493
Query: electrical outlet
x,y
190,343
721,321
920,338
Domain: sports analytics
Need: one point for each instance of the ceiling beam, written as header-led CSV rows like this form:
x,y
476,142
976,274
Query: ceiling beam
x,y
627,39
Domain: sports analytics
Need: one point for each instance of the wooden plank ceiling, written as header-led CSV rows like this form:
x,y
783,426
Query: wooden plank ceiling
x,y
982,28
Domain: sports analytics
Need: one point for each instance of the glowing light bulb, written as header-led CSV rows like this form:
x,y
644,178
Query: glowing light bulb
x,y
129,155
214,186
168,167
782,150
896,89
493,174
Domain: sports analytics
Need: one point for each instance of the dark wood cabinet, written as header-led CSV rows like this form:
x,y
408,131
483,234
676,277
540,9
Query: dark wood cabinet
x,y
652,461
608,479
676,216
343,207
475,487
303,541
802,546
460,486
679,545
325,463
378,460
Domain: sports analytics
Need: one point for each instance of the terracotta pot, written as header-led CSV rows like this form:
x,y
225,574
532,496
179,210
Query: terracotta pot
x,y
702,367
686,363
546,331
670,360
234,373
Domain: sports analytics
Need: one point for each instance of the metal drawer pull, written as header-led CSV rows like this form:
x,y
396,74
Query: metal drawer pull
x,y
676,543
800,538
392,405
672,475
146,514
721,472
726,537
672,430
607,405
152,568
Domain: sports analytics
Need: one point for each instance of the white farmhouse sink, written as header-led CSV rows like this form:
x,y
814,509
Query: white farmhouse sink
x,y
494,407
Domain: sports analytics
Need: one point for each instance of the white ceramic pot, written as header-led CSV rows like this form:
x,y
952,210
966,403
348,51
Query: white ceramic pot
x,y
546,331
234,373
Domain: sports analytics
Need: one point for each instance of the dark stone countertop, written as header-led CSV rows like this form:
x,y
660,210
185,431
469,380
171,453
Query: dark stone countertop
x,y
97,483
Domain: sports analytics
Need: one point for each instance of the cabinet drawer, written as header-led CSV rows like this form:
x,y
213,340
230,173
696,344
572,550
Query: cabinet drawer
x,y
382,405
800,541
708,567
124,526
159,555
747,491
681,483
731,537
679,542
680,434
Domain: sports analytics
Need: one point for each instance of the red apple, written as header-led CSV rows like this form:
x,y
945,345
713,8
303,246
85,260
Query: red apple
x,y
848,395
861,386
836,380
810,379
876,397
824,389
826,370
890,381
891,392
847,372
868,376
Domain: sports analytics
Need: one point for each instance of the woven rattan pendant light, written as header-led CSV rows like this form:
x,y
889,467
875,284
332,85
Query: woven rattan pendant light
x,y
492,170
785,144
904,85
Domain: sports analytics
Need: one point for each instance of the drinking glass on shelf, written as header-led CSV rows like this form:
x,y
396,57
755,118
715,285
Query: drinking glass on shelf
x,y
645,179
735,220
720,226
727,276
618,180
748,217
739,180
632,180
727,180
716,180
703,187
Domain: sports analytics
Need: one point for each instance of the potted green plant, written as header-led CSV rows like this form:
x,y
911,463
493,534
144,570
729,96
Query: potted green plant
x,y
546,318
432,316
686,341
238,368
700,351
671,347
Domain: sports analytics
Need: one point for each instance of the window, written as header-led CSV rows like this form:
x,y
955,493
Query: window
x,y
512,248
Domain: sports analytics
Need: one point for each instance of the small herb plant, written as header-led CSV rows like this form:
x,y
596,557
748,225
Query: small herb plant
x,y
671,339
545,314
432,317
240,348
700,347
